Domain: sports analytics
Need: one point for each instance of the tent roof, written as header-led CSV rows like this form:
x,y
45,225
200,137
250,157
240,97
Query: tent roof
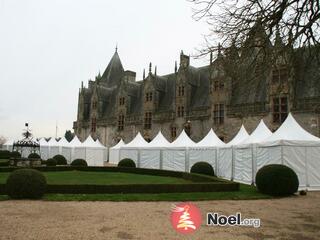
x,y
43,142
291,130
75,142
210,140
159,141
183,141
64,142
99,143
240,137
9,142
119,144
261,133
53,142
89,142
138,141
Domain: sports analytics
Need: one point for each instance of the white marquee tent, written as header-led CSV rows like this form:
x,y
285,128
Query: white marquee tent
x,y
206,150
65,149
245,154
225,153
152,155
44,149
131,150
8,145
114,152
54,148
176,155
77,151
291,145
94,152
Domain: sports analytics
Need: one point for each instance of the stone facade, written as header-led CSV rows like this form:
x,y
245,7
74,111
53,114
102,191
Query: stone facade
x,y
238,87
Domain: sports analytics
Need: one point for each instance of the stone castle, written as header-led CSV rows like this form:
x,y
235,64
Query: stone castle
x,y
239,86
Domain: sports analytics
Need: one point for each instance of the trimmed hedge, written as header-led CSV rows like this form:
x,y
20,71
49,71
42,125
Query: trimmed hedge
x,y
61,160
199,183
5,154
51,162
277,180
79,162
15,154
26,184
34,155
127,162
4,162
202,168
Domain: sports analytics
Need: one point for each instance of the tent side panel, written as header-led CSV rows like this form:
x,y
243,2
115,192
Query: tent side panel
x,y
313,168
129,153
174,160
243,165
202,155
225,163
294,157
150,158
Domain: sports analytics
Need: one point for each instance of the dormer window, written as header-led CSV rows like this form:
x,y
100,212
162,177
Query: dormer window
x,y
120,122
121,101
93,125
147,120
280,75
180,111
218,85
94,105
181,91
280,109
148,97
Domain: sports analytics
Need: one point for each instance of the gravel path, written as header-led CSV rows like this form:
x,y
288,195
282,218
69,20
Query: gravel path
x,y
290,218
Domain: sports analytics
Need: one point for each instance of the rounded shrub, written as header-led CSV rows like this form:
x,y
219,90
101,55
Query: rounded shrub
x,y
51,162
127,162
4,162
5,154
277,180
79,162
15,154
26,184
202,168
34,156
61,160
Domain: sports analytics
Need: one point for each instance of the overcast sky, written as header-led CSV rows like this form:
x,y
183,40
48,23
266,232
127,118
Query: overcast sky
x,y
48,47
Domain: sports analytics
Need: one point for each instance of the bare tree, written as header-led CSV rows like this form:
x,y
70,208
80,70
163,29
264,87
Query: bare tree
x,y
297,21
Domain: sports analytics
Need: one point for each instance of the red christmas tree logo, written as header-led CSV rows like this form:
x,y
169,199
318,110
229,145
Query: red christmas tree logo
x,y
185,218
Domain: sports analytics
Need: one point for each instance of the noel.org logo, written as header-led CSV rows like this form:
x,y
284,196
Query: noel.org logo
x,y
185,218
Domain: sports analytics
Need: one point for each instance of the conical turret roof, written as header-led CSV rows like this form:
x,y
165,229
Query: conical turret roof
x,y
114,71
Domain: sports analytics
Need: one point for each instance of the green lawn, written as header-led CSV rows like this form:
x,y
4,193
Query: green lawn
x,y
101,178
246,193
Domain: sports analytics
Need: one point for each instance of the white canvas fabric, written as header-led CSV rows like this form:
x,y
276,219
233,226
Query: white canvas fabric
x,y
210,140
182,141
245,154
240,137
151,156
8,145
44,149
131,150
94,152
54,148
176,155
225,163
206,150
65,149
114,152
293,146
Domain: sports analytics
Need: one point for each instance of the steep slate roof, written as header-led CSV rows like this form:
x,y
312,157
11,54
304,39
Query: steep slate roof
x,y
200,94
114,71
307,75
167,98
